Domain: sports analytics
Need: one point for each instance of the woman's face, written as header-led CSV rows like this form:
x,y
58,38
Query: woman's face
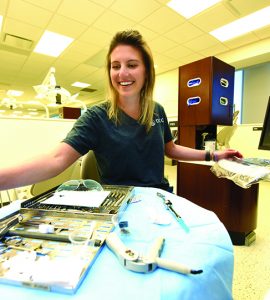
x,y
127,71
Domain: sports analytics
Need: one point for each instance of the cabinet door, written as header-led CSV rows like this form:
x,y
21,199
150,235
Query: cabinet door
x,y
236,207
206,92
222,92
195,97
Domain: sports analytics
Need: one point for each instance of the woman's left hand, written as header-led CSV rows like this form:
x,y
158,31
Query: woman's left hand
x,y
226,154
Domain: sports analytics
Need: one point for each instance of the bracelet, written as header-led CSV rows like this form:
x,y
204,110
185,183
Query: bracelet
x,y
215,157
207,155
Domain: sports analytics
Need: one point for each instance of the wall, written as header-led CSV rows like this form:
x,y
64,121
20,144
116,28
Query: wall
x,y
255,93
22,139
246,140
166,93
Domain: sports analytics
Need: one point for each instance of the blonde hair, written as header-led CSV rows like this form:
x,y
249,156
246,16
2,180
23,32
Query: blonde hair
x,y
133,38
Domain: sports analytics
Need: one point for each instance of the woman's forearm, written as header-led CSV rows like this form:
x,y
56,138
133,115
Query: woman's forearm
x,y
38,169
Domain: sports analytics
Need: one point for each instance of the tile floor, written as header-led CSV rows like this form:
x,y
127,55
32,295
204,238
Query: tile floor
x,y
251,263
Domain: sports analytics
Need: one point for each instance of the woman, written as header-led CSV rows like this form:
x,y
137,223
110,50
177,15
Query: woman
x,y
129,134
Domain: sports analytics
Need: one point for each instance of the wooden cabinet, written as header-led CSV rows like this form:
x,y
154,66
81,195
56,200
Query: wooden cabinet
x,y
236,207
206,92
69,112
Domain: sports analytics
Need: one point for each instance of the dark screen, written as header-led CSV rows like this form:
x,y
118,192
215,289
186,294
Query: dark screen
x,y
265,135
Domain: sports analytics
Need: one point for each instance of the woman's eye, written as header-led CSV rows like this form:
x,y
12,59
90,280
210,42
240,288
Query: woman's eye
x,y
115,67
132,66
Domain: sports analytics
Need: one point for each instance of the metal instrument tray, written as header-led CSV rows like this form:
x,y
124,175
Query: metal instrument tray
x,y
33,258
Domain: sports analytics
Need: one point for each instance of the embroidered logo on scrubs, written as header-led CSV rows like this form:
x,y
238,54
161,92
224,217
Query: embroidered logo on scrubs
x,y
157,121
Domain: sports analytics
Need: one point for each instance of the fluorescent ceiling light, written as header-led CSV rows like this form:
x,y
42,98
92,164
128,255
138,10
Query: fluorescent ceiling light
x,y
243,25
190,8
81,84
52,44
14,93
1,21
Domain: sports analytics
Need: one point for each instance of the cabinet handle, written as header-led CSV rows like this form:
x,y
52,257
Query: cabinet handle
x,y
224,82
194,82
193,100
223,101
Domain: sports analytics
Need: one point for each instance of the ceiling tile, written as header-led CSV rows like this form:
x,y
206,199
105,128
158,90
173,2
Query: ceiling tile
x,y
15,50
251,50
22,29
246,7
82,11
6,79
213,18
98,59
214,50
146,33
105,3
7,58
242,40
3,6
64,66
202,42
38,63
163,20
163,1
99,84
184,33
193,57
74,55
167,67
86,49
263,33
173,39
66,26
252,61
96,37
83,71
160,59
112,22
135,9
161,44
179,52
11,68
98,76
47,4
3,87
28,13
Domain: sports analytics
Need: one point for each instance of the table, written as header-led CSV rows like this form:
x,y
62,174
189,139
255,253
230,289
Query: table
x,y
207,246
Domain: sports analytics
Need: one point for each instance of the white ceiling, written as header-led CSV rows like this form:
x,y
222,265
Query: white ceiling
x,y
174,40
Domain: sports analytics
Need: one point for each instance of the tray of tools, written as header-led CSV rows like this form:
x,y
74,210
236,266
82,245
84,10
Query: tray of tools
x,y
51,235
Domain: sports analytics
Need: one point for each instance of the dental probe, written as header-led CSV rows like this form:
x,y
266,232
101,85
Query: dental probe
x,y
169,206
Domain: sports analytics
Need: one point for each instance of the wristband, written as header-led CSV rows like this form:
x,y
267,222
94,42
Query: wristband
x,y
215,157
207,155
